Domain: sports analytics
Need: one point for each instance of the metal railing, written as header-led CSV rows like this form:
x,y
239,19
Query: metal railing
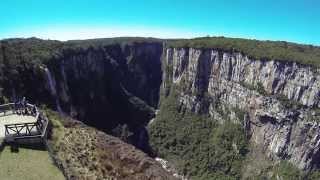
x,y
24,130
4,108
16,108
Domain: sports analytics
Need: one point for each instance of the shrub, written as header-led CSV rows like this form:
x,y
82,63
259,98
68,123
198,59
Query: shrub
x,y
287,171
254,87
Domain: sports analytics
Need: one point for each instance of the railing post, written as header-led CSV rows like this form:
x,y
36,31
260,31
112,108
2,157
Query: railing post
x,y
6,130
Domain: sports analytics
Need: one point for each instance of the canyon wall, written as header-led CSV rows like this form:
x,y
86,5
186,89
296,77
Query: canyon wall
x,y
278,100
106,82
112,87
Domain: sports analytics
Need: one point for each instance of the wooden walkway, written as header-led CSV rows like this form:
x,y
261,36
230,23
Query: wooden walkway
x,y
15,125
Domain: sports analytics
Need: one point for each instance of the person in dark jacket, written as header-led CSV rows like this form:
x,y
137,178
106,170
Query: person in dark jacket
x,y
34,110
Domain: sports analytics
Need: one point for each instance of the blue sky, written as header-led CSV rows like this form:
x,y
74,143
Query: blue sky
x,y
289,20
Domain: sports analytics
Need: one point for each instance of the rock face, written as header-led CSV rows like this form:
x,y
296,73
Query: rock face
x,y
95,82
110,85
279,100
105,86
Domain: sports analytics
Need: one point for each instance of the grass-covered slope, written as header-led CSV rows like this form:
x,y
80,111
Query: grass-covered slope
x,y
28,163
83,152
265,50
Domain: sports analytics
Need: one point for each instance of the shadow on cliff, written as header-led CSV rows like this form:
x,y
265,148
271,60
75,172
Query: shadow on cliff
x,y
111,86
104,86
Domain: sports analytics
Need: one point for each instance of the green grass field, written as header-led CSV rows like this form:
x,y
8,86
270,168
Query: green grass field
x,y
28,164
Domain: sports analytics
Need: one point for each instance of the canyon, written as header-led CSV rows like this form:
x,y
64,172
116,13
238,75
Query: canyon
x,y
116,86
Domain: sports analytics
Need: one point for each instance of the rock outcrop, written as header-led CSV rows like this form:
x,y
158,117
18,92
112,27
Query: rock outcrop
x,y
279,100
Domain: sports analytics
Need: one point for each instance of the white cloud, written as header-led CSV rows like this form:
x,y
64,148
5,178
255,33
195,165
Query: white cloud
x,y
80,32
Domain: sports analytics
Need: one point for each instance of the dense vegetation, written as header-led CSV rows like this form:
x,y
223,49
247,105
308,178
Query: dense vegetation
x,y
110,41
19,64
201,148
16,51
37,49
265,50
286,171
197,145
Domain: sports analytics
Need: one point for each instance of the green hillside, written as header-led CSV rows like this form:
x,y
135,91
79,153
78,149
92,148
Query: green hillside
x,y
27,163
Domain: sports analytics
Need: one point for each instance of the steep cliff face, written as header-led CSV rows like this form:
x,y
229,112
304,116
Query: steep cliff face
x,y
278,100
106,86
92,82
109,86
